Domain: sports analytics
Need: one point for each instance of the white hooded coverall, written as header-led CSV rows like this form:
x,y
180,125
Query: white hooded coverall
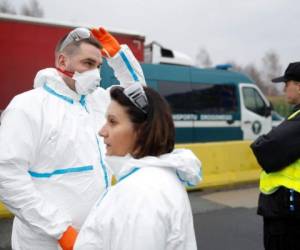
x,y
148,209
51,159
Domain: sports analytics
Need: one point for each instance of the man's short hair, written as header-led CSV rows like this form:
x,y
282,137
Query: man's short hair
x,y
71,47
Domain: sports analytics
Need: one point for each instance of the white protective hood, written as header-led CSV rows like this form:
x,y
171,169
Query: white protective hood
x,y
184,162
43,75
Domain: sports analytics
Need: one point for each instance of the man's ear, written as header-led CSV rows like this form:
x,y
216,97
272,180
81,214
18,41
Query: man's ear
x,y
61,61
298,86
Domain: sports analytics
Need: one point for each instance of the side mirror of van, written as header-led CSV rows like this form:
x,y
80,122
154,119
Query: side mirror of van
x,y
268,110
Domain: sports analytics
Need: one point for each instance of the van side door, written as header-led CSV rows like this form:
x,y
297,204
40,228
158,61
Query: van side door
x,y
255,112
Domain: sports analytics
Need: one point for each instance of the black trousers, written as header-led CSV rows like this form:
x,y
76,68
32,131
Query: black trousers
x,y
281,233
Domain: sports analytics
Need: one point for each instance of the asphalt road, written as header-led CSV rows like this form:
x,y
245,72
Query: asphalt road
x,y
227,220
5,232
224,220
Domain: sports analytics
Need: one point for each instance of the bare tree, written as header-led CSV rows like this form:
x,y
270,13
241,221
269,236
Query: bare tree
x,y
203,58
252,71
271,69
256,76
271,64
5,7
235,66
32,9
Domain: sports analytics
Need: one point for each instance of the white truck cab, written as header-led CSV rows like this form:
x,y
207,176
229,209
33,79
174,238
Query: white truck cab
x,y
256,116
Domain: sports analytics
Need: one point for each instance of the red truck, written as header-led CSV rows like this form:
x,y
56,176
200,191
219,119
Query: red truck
x,y
27,45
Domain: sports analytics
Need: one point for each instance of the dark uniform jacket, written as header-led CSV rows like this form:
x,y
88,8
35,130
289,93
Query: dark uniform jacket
x,y
274,151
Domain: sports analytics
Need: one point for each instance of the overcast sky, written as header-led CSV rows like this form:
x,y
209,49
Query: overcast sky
x,y
230,30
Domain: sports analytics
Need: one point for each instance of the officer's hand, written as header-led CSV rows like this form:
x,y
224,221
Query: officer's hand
x,y
68,239
110,44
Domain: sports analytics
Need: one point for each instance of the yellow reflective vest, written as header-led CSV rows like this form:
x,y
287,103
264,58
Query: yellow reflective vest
x,y
288,177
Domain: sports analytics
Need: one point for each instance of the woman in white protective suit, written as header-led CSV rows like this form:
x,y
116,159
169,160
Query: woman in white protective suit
x,y
148,208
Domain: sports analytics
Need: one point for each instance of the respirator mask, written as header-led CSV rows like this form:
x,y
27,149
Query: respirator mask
x,y
86,82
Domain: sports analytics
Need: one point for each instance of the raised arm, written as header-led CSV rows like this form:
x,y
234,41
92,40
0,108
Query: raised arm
x,y
126,67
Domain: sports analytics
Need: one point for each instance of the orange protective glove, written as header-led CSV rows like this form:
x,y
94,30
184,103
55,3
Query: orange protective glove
x,y
110,44
68,239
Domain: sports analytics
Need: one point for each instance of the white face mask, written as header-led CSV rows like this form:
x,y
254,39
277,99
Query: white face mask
x,y
87,82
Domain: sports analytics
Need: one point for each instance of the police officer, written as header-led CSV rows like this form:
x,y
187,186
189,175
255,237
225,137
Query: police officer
x,y
278,153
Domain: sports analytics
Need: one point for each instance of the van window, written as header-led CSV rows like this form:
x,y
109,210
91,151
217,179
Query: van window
x,y
253,100
177,94
214,98
199,98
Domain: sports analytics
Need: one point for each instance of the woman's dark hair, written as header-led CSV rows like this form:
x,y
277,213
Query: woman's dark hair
x,y
155,128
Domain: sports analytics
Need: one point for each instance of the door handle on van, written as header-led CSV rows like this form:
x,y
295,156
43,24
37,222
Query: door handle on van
x,y
230,121
247,122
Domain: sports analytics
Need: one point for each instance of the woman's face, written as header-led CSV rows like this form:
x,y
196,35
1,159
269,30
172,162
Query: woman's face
x,y
118,131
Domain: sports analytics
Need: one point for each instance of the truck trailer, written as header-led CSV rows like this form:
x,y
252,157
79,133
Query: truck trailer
x,y
27,45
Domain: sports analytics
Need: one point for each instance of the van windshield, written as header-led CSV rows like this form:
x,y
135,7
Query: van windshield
x,y
200,98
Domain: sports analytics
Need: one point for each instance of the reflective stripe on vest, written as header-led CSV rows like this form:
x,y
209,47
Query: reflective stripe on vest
x,y
288,177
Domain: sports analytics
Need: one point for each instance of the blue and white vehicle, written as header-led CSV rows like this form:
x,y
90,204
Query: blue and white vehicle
x,y
214,104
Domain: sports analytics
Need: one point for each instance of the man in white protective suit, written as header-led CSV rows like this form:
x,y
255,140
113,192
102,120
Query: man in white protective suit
x,y
51,159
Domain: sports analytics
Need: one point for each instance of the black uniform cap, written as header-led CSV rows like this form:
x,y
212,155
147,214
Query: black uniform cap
x,y
291,73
